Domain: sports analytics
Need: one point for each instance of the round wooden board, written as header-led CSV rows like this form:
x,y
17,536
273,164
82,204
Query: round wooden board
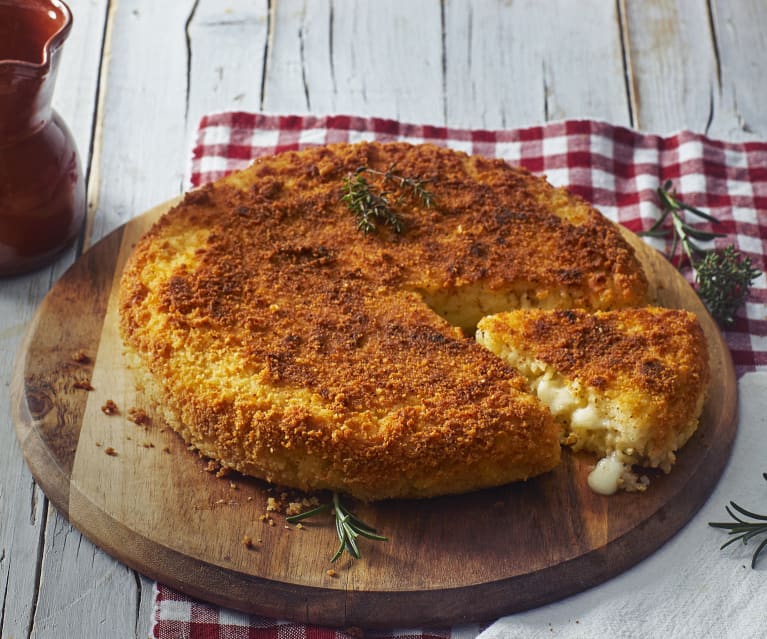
x,y
451,560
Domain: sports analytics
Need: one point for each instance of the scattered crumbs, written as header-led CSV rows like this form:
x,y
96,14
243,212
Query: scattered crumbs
x,y
98,444
267,519
247,542
331,573
222,472
294,508
291,503
110,451
147,444
211,466
166,449
233,486
138,416
250,497
300,526
81,357
83,384
110,408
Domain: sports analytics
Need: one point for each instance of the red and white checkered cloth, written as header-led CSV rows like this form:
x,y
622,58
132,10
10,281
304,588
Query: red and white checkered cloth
x,y
615,168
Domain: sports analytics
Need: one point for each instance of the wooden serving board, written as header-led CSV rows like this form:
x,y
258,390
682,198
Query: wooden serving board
x,y
152,505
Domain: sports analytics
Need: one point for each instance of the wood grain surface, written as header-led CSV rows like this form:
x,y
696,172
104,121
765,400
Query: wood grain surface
x,y
140,494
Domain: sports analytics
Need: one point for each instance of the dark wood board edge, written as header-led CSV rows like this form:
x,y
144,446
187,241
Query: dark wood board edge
x,y
338,608
348,608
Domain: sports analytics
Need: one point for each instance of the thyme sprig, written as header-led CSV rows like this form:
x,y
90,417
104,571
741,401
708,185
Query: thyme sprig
x,y
370,203
722,276
348,526
742,529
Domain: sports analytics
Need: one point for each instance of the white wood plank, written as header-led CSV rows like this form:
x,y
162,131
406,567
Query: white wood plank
x,y
741,37
79,67
299,72
672,57
516,64
83,591
494,77
23,506
227,44
384,61
583,62
142,138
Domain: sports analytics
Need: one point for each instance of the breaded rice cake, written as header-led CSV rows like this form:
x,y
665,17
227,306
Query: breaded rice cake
x,y
628,385
285,343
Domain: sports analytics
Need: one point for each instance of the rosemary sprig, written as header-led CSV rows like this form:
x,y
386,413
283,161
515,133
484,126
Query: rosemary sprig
x,y
684,237
348,526
370,203
722,277
742,529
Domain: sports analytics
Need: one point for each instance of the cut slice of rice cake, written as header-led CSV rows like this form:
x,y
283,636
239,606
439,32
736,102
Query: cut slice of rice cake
x,y
628,385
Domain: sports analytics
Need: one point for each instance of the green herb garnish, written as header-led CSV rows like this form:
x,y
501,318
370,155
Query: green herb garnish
x,y
371,204
723,277
348,526
744,530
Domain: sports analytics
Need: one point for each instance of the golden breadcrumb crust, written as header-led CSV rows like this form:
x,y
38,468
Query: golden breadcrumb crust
x,y
643,371
290,346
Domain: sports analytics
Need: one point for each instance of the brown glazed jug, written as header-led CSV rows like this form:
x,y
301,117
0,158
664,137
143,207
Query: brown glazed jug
x,y
42,191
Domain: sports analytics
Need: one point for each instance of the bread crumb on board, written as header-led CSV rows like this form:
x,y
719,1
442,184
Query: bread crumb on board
x,y
138,416
110,408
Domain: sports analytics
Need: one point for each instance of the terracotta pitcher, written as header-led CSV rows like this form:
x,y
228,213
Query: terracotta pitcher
x,y
42,191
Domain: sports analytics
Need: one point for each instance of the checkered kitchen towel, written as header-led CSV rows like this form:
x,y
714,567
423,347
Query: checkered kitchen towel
x,y
617,169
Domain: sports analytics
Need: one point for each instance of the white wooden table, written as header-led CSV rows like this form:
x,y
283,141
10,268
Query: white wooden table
x,y
136,76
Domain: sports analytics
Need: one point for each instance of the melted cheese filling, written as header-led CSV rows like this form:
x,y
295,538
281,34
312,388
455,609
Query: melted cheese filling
x,y
606,476
591,422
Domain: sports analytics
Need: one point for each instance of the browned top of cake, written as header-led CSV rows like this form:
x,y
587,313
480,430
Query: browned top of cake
x,y
646,350
280,333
